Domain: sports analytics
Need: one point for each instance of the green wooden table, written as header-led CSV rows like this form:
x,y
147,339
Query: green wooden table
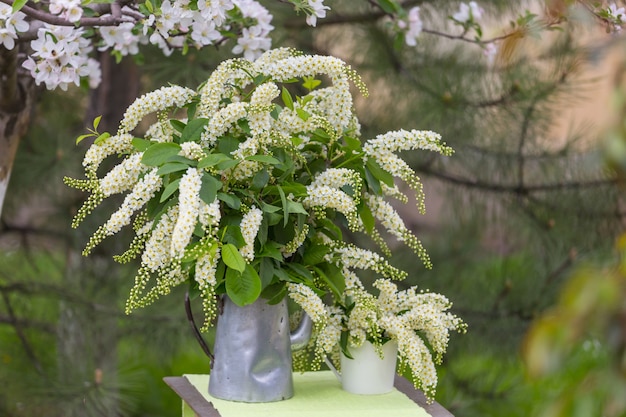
x,y
316,394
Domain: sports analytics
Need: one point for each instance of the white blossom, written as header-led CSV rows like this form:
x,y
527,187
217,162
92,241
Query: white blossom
x,y
250,224
10,24
60,57
318,10
121,38
415,26
468,12
189,205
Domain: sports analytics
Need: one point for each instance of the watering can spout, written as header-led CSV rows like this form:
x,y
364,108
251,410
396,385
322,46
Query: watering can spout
x,y
300,336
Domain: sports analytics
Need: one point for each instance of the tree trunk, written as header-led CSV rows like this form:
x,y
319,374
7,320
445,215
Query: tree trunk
x,y
17,101
120,86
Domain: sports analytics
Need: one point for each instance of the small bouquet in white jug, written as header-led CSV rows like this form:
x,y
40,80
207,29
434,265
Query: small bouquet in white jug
x,y
369,333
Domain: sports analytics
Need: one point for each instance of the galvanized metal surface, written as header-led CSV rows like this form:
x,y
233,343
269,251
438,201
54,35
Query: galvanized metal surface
x,y
253,352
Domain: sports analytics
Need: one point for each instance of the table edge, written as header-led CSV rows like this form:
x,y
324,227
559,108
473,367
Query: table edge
x,y
189,394
204,408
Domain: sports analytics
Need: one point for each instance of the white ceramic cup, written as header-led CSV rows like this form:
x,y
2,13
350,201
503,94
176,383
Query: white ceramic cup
x,y
367,373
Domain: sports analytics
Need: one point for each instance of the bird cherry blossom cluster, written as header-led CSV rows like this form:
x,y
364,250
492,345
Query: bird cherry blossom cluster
x,y
242,187
419,322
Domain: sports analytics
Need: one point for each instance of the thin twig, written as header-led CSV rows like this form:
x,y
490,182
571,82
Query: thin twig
x,y
114,19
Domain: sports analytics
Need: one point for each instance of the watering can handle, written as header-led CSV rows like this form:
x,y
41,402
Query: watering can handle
x,y
332,368
196,332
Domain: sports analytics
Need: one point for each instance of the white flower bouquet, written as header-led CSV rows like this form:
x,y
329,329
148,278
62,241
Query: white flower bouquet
x,y
418,321
246,186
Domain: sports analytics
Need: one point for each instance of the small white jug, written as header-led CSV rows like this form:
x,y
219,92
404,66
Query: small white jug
x,y
367,373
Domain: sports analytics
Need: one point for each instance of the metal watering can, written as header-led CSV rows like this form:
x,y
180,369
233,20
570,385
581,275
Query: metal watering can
x,y
252,351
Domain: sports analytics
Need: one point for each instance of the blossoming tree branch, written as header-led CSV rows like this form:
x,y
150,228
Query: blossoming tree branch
x,y
63,34
54,43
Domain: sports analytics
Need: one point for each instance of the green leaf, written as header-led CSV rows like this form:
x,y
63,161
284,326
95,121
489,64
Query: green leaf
x,y
273,218
354,144
366,217
301,274
266,159
171,188
158,153
208,189
141,144
191,110
321,133
224,165
183,160
330,229
82,137
303,114
231,200
333,288
372,182
213,159
18,4
261,78
379,172
263,231
170,167
282,275
266,272
334,278
232,235
298,190
244,125
389,6
343,343
283,199
260,180
314,254
276,111
232,258
193,130
178,125
287,99
103,137
96,121
275,293
310,82
271,250
296,208
149,6
227,144
268,208
243,288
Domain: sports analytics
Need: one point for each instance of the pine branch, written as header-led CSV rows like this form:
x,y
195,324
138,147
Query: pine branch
x,y
6,228
30,353
516,188
55,291
577,211
33,324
